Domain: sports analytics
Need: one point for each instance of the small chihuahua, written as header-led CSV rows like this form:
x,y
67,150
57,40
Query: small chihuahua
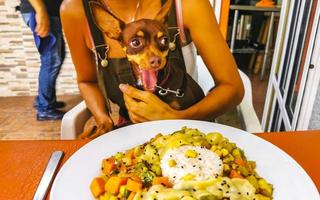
x,y
146,44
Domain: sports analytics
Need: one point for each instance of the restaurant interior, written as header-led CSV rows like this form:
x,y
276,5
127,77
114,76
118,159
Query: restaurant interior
x,y
276,126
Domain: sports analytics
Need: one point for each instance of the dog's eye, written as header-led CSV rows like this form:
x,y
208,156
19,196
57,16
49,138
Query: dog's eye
x,y
164,41
135,43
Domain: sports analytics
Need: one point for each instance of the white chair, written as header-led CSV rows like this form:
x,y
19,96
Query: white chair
x,y
246,110
74,120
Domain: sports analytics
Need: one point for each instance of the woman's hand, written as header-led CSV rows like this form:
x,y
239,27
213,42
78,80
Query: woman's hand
x,y
144,106
93,129
43,24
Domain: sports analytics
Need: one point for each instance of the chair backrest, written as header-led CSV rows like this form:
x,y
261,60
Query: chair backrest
x,y
206,82
216,4
246,110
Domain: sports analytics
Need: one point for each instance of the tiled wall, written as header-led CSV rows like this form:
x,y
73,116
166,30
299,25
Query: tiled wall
x,y
19,59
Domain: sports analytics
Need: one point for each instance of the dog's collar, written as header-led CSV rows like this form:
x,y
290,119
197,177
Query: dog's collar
x,y
162,90
164,74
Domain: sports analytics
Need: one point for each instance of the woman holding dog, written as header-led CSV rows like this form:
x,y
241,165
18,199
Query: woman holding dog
x,y
199,23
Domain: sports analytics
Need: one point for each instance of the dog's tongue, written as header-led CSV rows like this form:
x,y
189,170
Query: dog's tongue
x,y
149,79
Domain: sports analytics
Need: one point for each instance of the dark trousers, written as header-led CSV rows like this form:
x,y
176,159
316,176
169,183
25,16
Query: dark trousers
x,y
51,61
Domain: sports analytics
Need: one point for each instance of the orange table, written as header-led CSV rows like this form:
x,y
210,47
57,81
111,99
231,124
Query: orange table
x,y
23,162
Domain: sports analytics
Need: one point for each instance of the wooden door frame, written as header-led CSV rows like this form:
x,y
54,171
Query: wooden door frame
x,y
224,17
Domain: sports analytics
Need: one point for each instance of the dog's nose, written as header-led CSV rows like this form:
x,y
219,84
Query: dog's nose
x,y
155,61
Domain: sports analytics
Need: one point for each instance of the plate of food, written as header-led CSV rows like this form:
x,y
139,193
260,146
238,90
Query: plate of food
x,y
181,159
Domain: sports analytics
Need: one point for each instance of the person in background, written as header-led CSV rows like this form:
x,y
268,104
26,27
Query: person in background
x,y
42,17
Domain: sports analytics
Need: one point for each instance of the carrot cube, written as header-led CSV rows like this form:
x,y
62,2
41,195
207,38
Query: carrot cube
x,y
132,195
134,185
161,181
97,187
235,174
130,154
114,183
108,165
240,161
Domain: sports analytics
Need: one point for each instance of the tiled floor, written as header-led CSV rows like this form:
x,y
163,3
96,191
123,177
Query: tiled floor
x,y
259,91
18,119
18,122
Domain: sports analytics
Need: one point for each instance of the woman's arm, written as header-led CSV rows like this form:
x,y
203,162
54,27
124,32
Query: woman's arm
x,y
200,20
75,27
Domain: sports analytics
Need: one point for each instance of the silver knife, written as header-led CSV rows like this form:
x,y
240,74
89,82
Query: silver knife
x,y
48,175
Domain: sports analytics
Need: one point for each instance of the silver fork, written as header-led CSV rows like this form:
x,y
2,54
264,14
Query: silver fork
x,y
48,175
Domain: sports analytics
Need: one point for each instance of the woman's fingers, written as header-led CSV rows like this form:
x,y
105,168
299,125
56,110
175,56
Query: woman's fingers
x,y
133,105
145,106
135,109
135,93
86,133
130,102
101,129
96,134
136,117
94,131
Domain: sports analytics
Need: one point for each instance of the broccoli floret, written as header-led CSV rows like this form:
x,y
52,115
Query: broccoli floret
x,y
147,177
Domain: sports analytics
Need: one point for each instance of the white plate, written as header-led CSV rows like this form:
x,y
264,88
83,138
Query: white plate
x,y
290,181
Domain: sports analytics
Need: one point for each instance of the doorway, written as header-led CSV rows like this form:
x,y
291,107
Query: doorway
x,y
292,66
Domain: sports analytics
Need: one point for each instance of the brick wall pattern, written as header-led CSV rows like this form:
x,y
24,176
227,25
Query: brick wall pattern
x,y
19,59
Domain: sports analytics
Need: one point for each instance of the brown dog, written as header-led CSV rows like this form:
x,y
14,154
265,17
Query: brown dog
x,y
146,44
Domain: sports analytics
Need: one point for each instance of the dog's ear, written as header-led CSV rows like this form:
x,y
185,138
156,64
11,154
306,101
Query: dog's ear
x,y
164,11
106,22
